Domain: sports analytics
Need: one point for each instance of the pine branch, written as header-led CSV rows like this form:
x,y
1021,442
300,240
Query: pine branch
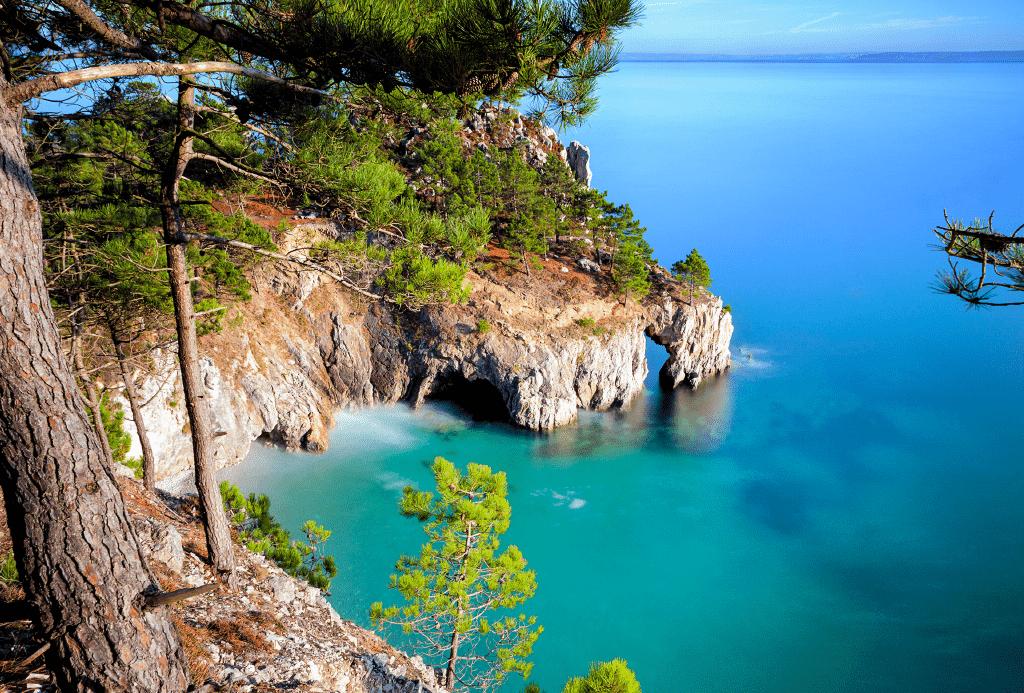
x,y
64,80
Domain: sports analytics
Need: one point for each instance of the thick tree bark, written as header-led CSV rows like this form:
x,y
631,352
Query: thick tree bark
x,y
148,458
218,535
79,563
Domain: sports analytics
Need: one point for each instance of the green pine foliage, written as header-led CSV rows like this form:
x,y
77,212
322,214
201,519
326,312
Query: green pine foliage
x,y
119,439
693,271
461,593
629,271
415,280
605,677
8,570
263,534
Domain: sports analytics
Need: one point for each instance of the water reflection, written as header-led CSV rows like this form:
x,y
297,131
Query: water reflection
x,y
679,420
695,422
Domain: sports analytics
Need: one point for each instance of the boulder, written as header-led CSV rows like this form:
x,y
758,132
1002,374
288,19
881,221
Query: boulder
x,y
283,588
168,549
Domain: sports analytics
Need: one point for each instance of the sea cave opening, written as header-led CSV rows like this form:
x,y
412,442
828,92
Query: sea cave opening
x,y
477,398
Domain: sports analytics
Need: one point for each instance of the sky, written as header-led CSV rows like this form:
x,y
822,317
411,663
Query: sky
x,y
752,27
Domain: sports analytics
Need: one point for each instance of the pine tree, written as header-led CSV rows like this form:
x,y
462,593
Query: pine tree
x,y
693,272
630,270
460,589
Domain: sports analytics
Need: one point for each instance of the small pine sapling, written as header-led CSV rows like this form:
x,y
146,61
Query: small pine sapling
x,y
460,590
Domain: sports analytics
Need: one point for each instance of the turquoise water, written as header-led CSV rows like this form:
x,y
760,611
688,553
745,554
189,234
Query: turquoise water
x,y
844,511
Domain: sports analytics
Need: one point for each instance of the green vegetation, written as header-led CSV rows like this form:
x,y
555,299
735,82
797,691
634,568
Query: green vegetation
x,y
726,308
8,570
416,215
605,677
693,271
261,533
119,439
482,326
460,590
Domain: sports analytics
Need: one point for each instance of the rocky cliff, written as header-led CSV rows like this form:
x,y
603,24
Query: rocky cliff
x,y
272,633
536,348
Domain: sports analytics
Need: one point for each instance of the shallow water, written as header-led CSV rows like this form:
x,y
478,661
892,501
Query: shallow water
x,y
843,511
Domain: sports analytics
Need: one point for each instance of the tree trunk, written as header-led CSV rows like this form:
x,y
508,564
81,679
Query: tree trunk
x,y
453,655
453,650
211,507
80,565
148,458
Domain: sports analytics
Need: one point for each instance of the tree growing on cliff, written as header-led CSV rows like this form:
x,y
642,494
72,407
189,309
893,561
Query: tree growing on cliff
x,y
460,589
631,253
693,271
629,272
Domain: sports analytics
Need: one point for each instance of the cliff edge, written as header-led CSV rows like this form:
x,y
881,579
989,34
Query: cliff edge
x,y
530,348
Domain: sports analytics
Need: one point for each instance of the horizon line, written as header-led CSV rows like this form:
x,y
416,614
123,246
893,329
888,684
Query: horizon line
x,y
836,56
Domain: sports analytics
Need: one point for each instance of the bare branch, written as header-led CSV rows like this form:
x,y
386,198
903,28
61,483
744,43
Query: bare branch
x,y
278,256
33,88
107,33
231,167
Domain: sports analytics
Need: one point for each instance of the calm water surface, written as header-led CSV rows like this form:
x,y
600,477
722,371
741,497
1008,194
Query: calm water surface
x,y
844,511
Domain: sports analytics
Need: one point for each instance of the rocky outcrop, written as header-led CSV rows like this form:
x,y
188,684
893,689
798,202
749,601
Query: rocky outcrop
x,y
542,379
696,336
301,351
578,158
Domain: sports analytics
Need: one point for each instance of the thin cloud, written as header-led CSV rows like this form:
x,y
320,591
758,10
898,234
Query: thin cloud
x,y
912,24
798,29
901,24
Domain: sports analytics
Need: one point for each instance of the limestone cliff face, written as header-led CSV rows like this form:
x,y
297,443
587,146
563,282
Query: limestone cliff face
x,y
302,351
542,378
696,337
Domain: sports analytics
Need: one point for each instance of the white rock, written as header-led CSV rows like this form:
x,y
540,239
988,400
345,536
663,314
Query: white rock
x,y
578,158
283,588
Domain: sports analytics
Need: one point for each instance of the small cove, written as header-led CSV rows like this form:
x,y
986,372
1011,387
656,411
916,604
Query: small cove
x,y
844,510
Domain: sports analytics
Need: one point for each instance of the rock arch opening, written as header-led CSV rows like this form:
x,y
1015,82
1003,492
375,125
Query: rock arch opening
x,y
476,397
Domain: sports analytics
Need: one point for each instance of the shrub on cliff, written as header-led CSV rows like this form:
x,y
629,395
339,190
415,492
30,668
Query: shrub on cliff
x,y
460,590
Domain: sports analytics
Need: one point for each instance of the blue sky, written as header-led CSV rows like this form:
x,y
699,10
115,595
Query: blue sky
x,y
748,26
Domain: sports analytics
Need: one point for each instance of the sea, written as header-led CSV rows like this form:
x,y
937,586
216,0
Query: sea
x,y
843,511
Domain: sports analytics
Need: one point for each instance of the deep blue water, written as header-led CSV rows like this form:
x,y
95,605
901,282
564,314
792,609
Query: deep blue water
x,y
844,511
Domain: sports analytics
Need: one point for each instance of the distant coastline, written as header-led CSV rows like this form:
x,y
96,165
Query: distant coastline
x,y
891,57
